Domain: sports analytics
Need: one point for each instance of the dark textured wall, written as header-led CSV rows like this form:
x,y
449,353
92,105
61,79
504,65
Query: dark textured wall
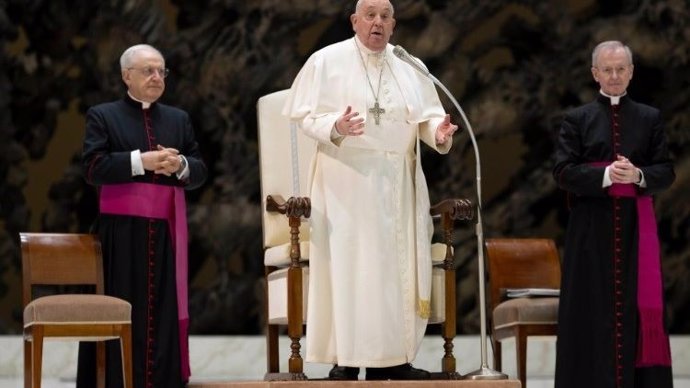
x,y
515,66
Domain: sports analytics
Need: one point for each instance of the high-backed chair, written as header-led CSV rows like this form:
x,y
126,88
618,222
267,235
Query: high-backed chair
x,y
52,259
283,149
522,263
285,234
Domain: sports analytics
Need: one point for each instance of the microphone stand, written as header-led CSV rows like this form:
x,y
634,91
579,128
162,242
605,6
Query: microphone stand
x,y
484,372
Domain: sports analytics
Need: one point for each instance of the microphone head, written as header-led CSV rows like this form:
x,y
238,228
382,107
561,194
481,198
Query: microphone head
x,y
399,52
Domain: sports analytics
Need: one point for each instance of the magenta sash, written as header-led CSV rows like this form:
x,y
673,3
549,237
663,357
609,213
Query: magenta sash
x,y
653,346
165,203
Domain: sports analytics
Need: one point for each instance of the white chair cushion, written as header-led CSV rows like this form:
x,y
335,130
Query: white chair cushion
x,y
277,296
438,253
438,296
279,256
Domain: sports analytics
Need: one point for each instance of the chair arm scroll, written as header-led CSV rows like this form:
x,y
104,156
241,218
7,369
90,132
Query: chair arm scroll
x,y
293,207
455,209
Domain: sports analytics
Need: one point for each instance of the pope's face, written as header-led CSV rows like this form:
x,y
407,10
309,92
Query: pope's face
x,y
613,71
145,77
373,23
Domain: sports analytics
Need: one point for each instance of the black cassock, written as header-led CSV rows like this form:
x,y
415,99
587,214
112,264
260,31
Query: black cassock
x,y
138,254
598,316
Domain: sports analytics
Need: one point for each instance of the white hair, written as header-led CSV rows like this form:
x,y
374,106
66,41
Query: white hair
x,y
358,5
610,45
128,56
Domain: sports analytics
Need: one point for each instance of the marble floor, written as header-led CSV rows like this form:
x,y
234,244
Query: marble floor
x,y
242,358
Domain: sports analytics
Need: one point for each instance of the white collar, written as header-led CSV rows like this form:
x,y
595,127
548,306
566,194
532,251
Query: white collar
x,y
144,104
615,100
367,51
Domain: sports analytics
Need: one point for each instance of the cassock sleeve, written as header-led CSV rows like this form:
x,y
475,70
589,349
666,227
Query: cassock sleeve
x,y
100,164
190,149
658,173
423,103
571,171
427,132
316,112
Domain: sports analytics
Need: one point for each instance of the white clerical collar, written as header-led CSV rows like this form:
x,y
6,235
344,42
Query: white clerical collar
x,y
144,104
365,50
615,100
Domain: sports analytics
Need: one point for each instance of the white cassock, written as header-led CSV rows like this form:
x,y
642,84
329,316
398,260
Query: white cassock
x,y
370,265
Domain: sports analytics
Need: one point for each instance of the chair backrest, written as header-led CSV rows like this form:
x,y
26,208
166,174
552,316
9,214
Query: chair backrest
x,y
521,263
275,158
60,259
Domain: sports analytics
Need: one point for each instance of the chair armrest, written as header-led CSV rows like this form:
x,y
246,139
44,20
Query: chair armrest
x,y
293,207
454,208
450,210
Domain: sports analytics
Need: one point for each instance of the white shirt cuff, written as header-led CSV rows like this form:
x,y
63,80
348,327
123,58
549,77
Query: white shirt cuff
x,y
336,137
184,174
607,179
137,164
642,182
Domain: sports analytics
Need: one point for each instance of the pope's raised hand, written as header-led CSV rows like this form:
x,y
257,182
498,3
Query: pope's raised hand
x,y
349,124
445,130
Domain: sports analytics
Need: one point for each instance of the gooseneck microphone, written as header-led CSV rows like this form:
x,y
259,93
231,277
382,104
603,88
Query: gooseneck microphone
x,y
484,372
400,52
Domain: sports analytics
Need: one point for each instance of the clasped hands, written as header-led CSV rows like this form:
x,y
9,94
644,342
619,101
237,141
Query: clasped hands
x,y
623,171
163,160
349,124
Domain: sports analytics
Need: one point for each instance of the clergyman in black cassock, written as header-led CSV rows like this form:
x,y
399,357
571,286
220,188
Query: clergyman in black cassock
x,y
612,158
142,155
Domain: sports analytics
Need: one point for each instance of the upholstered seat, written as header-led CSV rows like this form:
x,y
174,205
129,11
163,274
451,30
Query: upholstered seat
x,y
279,256
526,311
70,308
277,283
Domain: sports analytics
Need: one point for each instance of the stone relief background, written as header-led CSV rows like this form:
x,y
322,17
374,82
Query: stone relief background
x,y
515,67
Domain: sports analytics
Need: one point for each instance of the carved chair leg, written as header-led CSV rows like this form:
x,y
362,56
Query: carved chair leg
x,y
448,328
295,326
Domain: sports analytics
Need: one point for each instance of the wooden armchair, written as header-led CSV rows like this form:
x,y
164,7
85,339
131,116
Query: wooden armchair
x,y
522,263
286,241
70,259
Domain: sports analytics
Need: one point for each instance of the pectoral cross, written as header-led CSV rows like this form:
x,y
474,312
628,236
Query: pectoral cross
x,y
377,111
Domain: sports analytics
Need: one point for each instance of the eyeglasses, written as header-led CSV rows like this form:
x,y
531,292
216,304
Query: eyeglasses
x,y
610,71
149,71
386,18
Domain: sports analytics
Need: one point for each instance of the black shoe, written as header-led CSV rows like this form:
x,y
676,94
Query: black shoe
x,y
398,372
343,373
